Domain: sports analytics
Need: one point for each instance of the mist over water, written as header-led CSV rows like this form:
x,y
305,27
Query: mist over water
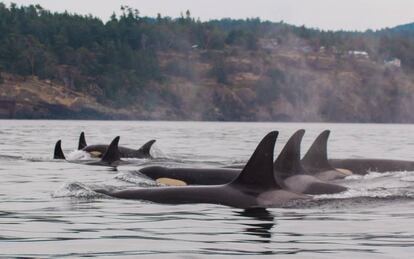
x,y
48,210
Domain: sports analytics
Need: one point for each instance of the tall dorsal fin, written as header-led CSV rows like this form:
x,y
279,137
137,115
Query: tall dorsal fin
x,y
288,162
316,159
58,153
145,149
112,153
258,172
82,141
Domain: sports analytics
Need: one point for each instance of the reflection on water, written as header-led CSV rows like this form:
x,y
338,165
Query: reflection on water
x,y
261,228
47,208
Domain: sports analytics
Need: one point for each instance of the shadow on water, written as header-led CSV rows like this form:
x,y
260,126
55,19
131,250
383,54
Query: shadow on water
x,y
263,227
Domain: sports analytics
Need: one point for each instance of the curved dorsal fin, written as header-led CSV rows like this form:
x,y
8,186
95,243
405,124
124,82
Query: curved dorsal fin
x,y
82,141
145,149
112,153
288,162
58,153
258,172
317,156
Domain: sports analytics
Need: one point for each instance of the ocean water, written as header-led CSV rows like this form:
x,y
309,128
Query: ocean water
x,y
48,210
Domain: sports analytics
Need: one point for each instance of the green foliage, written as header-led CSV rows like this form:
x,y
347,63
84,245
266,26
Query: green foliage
x,y
182,68
219,71
269,88
119,55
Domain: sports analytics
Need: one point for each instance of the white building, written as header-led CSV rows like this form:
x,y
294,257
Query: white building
x,y
358,54
394,62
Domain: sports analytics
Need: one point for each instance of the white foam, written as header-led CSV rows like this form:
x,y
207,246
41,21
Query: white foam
x,y
78,155
135,178
376,185
155,152
74,189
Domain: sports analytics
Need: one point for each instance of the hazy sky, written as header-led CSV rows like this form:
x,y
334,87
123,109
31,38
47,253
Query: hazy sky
x,y
325,14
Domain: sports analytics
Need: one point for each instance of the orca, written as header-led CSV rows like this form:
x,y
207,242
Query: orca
x,y
363,166
191,176
319,168
315,161
288,171
111,157
99,149
254,187
317,158
291,175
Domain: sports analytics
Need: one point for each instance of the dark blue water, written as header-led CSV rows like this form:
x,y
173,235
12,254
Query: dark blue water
x,y
47,209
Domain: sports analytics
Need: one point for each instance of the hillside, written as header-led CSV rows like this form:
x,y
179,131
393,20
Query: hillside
x,y
67,66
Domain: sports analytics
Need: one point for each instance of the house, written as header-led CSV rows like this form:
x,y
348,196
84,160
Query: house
x,y
394,62
358,54
269,44
306,49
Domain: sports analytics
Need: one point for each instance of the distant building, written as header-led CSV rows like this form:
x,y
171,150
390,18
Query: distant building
x,y
306,49
358,54
394,62
269,44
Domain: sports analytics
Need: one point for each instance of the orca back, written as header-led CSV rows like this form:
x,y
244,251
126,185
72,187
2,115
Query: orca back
x,y
145,149
82,141
316,159
258,172
58,152
288,162
112,153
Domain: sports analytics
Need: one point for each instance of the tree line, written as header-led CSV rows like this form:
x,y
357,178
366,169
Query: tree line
x,y
116,59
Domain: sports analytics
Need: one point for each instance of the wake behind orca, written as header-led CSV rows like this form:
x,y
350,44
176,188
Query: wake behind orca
x,y
99,149
254,187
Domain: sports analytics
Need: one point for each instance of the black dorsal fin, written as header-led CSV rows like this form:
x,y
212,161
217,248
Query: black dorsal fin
x,y
82,141
258,172
288,162
145,149
112,153
58,153
316,159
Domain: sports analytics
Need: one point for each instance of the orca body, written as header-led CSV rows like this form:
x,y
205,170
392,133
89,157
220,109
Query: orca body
x,y
192,176
255,186
291,175
316,161
289,172
99,149
111,157
364,166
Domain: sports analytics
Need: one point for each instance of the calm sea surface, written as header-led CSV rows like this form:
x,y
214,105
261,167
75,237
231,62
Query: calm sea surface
x,y
47,209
